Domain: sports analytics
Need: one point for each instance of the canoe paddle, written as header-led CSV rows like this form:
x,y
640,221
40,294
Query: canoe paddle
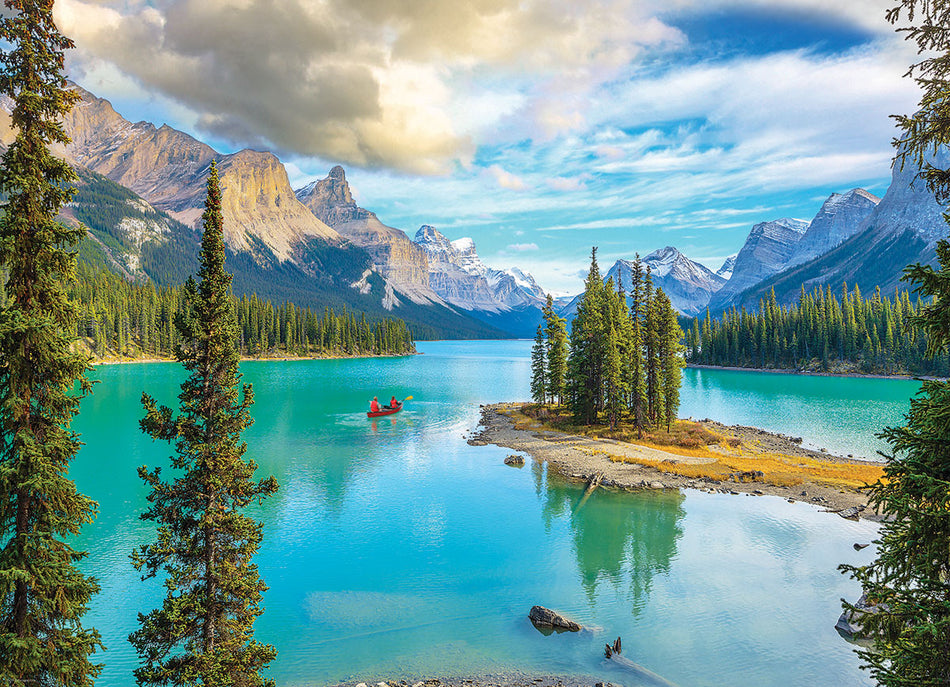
x,y
407,398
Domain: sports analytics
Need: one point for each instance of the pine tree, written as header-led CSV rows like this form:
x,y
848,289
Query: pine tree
x,y
203,633
539,377
43,596
910,579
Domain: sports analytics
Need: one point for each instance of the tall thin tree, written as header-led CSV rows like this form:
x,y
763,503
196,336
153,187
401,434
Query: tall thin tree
x,y
539,371
203,633
43,595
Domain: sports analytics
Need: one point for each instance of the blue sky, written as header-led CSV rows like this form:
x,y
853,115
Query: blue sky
x,y
537,127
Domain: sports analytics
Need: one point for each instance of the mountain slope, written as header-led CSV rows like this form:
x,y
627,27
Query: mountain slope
x,y
766,251
903,228
839,218
394,255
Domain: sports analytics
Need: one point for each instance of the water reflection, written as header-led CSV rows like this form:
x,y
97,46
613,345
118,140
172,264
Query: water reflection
x,y
617,534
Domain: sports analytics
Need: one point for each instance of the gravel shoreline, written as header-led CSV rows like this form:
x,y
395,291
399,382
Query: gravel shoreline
x,y
586,460
508,679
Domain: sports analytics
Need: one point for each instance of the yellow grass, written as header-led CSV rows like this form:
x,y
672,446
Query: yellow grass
x,y
777,469
731,457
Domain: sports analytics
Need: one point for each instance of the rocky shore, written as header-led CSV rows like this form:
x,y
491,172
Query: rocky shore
x,y
510,679
599,462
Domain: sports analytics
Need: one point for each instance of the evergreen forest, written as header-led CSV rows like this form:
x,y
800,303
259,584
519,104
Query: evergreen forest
x,y
118,318
822,332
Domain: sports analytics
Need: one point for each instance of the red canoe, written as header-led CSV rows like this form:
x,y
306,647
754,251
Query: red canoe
x,y
384,410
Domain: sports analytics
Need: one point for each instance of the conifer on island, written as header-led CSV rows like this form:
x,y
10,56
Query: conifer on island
x,y
910,580
203,632
624,362
43,596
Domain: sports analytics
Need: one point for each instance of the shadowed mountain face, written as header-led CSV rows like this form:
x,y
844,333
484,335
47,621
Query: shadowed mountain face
x,y
766,251
839,218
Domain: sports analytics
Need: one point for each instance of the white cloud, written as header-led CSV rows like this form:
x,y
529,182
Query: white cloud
x,y
522,247
506,179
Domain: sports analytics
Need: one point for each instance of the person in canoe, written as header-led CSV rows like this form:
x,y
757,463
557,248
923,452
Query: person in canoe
x,y
393,403
374,405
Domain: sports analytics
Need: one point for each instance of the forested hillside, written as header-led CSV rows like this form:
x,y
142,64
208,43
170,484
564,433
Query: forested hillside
x,y
822,332
129,237
122,319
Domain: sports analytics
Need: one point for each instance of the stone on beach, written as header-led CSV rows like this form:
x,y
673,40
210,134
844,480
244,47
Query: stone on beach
x,y
514,460
545,617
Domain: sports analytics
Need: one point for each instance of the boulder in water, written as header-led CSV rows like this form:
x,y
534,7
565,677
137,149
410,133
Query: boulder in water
x,y
545,617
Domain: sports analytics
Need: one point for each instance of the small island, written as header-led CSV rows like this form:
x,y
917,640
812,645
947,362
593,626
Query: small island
x,y
703,455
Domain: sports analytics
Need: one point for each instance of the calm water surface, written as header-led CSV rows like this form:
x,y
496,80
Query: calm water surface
x,y
395,549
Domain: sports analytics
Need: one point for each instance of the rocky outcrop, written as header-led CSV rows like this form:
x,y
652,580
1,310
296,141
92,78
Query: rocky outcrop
x,y
766,252
168,168
840,218
902,229
394,255
545,617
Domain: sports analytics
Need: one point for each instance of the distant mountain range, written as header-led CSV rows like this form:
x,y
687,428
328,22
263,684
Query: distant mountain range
x,y
142,192
142,189
855,238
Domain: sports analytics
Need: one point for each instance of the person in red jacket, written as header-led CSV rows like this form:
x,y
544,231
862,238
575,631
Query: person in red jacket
x,y
374,405
393,403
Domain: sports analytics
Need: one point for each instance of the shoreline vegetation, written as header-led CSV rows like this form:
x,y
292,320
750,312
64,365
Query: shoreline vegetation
x,y
703,455
813,373
253,358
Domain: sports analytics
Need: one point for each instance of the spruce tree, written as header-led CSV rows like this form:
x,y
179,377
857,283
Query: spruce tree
x,y
203,632
910,578
539,377
586,358
556,332
636,367
43,596
671,359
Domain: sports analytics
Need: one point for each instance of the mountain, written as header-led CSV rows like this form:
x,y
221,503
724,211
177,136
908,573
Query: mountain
x,y
901,229
727,267
688,284
394,255
510,300
839,218
766,251
276,246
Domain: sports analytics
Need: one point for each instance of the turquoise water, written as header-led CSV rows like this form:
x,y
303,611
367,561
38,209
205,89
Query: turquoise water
x,y
394,549
841,414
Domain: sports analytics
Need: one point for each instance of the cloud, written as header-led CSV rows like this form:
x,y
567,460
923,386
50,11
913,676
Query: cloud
x,y
506,179
522,247
566,184
373,83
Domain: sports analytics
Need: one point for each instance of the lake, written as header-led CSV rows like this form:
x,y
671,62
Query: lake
x,y
396,550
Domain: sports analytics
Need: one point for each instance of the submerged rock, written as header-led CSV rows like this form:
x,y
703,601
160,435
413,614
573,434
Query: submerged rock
x,y
545,617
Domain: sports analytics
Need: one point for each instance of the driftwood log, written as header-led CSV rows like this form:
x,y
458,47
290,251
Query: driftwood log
x,y
644,676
